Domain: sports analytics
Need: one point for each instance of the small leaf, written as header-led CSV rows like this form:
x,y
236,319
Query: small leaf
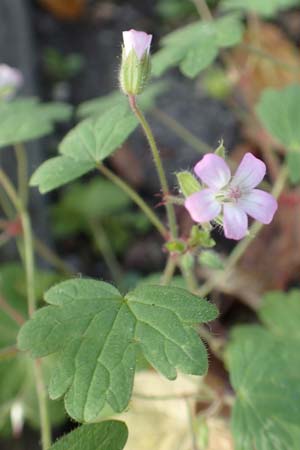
x,y
58,171
109,435
195,46
97,333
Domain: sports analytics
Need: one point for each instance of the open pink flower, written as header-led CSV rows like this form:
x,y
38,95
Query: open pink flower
x,y
138,41
234,197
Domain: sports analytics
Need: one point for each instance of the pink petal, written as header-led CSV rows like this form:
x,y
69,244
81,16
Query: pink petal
x,y
235,222
203,206
213,171
138,41
260,205
250,172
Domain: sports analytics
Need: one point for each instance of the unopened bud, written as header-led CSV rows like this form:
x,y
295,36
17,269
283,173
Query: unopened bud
x,y
10,81
136,64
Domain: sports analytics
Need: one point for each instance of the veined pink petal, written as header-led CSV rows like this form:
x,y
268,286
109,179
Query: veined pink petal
x,y
235,222
259,204
138,41
213,171
203,206
250,172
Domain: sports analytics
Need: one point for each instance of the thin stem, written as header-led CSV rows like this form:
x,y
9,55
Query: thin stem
x,y
136,198
43,407
9,189
8,352
103,244
190,414
189,277
22,169
30,285
48,255
158,163
203,9
11,312
243,245
169,270
28,260
188,137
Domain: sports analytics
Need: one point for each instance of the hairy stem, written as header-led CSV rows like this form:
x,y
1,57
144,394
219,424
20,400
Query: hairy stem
x,y
158,163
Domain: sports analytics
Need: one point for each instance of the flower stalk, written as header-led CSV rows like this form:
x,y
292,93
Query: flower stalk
x,y
158,164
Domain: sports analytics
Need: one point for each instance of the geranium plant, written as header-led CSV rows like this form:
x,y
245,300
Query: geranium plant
x,y
80,351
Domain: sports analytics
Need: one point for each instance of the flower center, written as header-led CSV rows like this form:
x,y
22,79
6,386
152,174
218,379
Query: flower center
x,y
234,193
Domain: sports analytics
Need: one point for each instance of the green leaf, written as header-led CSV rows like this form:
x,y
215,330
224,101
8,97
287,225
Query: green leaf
x,y
97,333
281,313
100,105
195,46
89,143
265,373
58,171
27,119
265,8
93,140
109,435
279,113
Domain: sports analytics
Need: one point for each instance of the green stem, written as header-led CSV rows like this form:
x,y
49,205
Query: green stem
x,y
48,255
43,407
169,270
243,245
135,197
158,163
103,244
30,286
189,277
203,10
22,169
188,137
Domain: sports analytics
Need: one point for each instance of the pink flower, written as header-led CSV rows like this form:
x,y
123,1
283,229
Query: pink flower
x,y
138,41
10,80
233,197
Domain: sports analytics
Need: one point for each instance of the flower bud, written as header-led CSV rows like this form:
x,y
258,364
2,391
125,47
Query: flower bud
x,y
10,81
136,66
